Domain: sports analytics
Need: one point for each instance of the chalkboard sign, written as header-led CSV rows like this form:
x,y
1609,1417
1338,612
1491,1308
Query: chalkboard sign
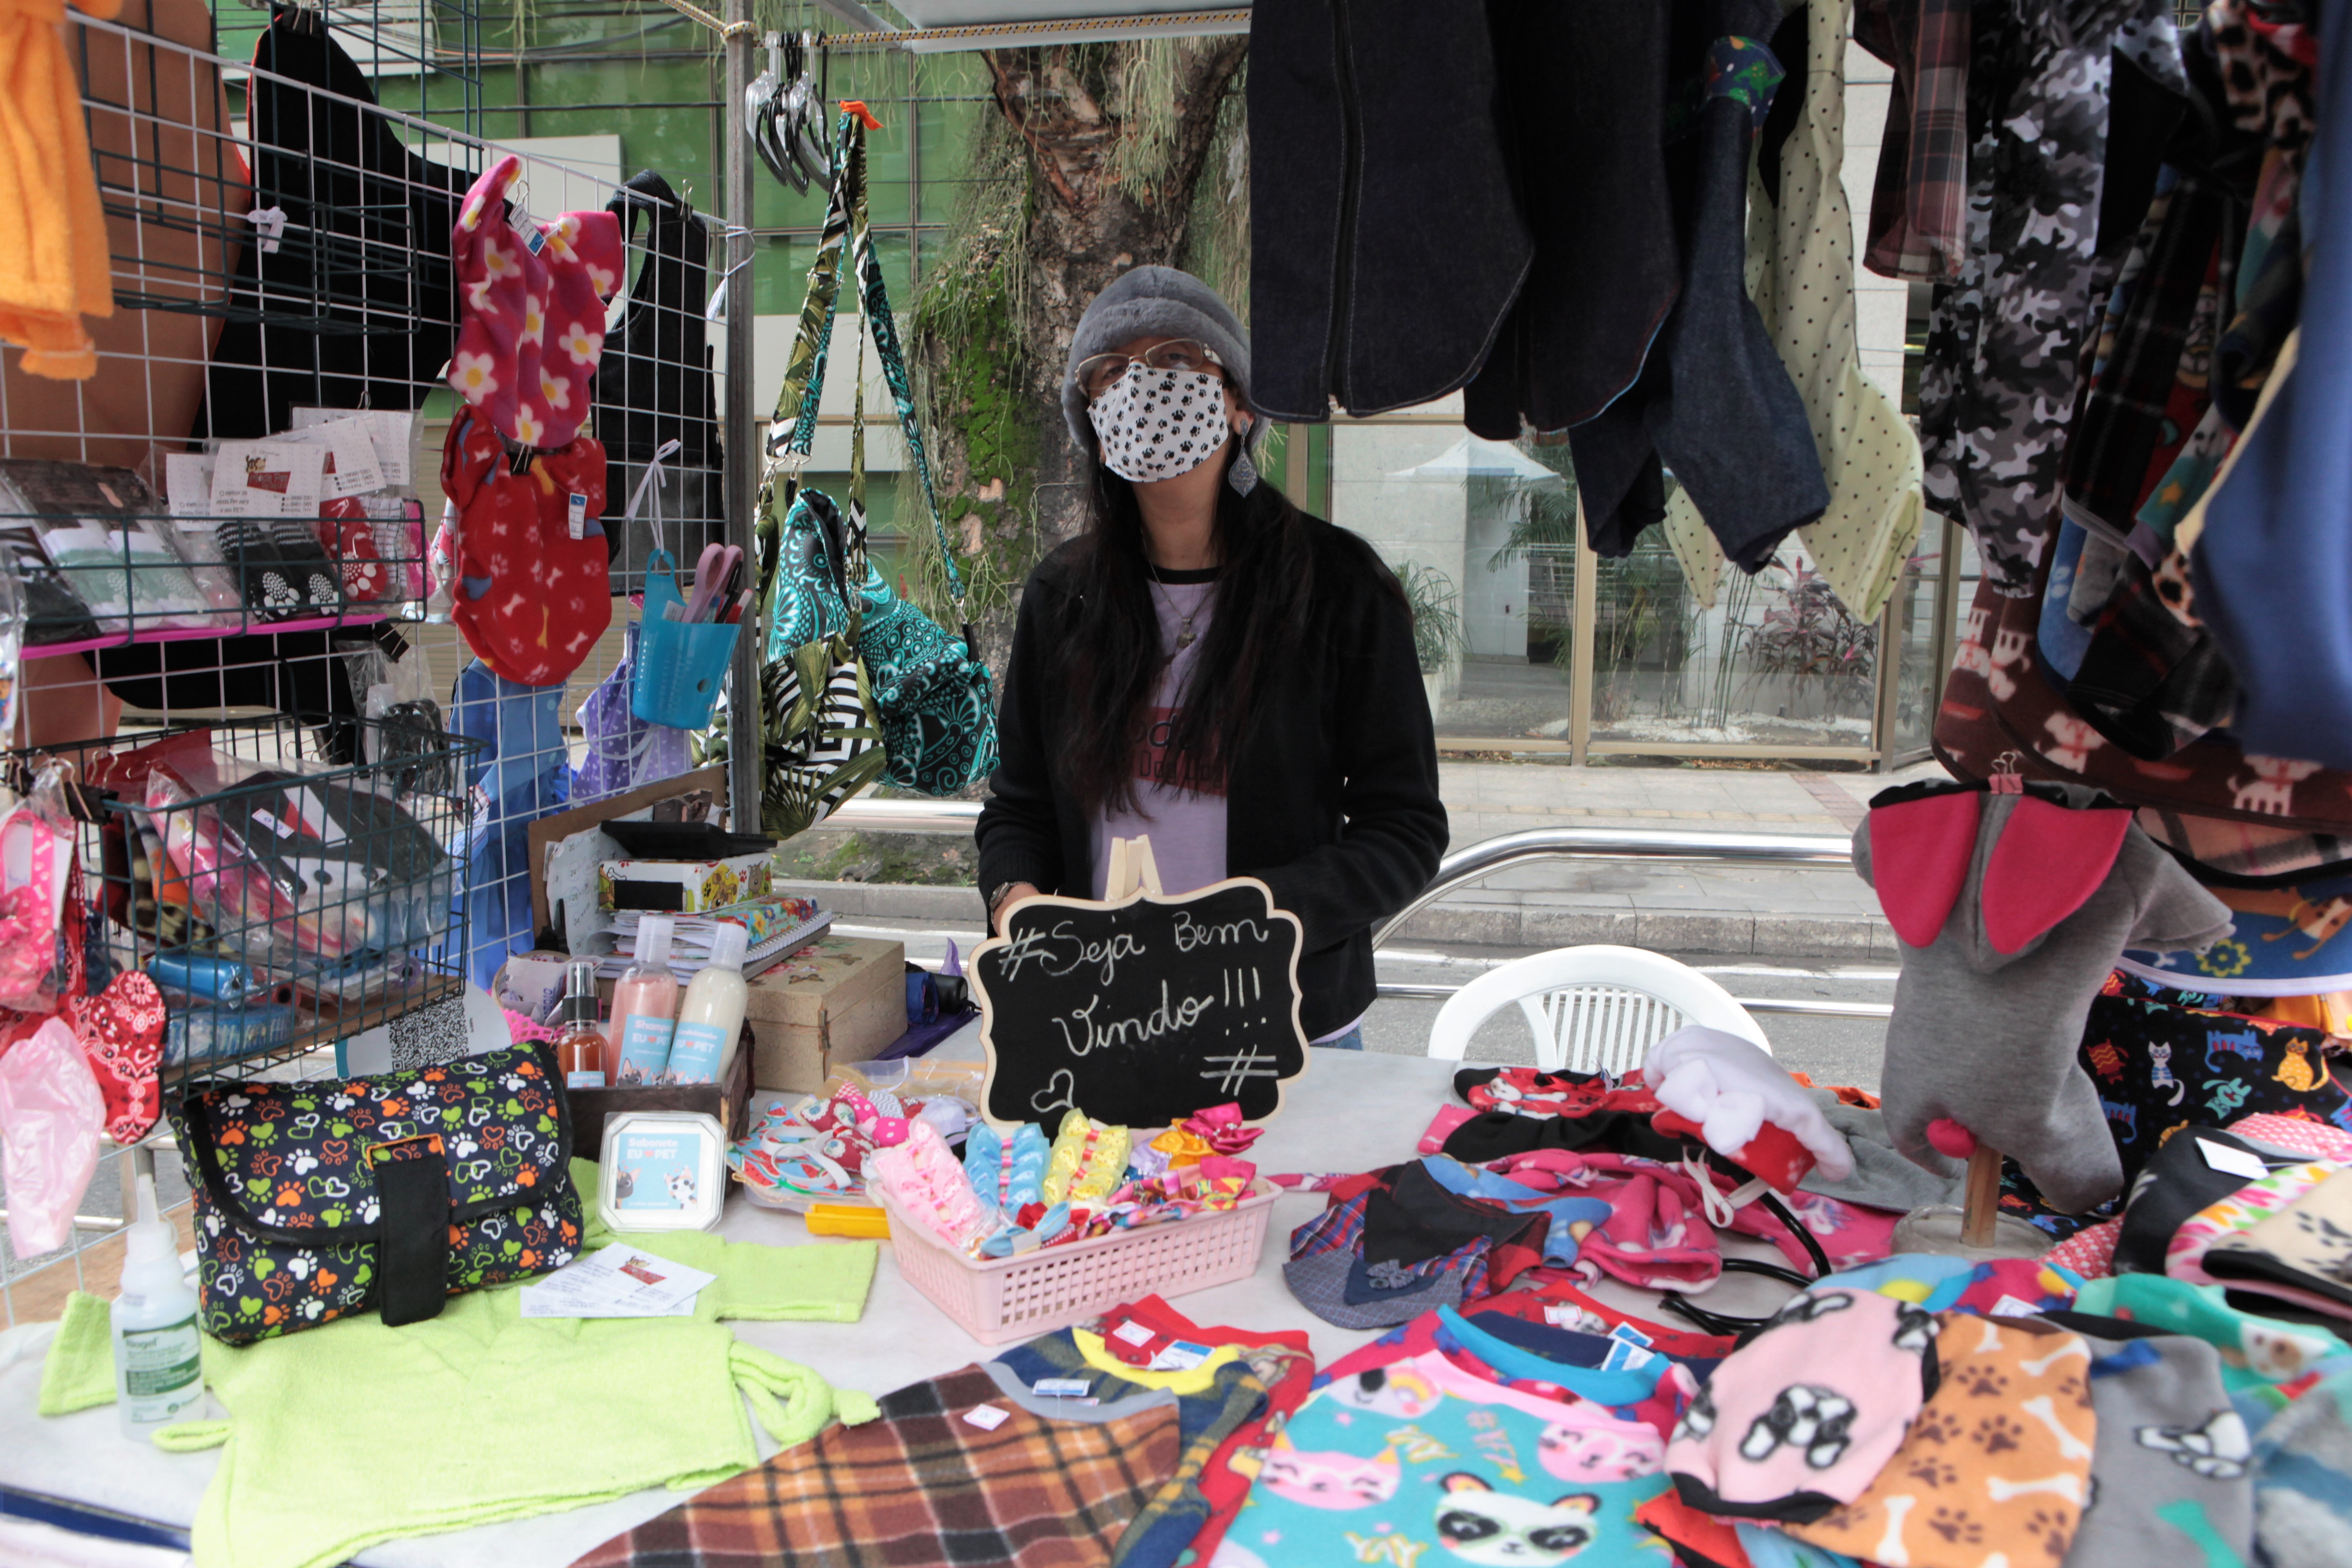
x,y
1142,1010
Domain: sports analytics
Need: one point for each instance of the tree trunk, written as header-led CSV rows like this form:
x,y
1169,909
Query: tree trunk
x,y
1112,140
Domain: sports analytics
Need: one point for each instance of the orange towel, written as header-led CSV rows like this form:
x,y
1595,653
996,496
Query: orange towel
x,y
53,259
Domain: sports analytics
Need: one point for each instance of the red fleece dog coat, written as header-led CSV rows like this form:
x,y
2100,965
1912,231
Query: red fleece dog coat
x,y
530,598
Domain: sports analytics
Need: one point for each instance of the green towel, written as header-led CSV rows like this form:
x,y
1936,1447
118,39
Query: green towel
x,y
79,1374
351,1434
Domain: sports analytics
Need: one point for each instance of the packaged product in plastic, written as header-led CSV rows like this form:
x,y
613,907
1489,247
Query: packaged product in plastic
x,y
299,871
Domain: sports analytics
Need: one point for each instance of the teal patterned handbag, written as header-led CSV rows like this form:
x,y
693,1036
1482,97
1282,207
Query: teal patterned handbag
x,y
920,691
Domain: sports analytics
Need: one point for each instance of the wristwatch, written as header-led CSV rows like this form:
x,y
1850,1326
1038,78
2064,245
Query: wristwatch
x,y
996,897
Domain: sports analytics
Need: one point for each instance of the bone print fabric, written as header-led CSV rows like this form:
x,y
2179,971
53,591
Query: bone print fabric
x,y
2004,338
534,585
1997,1467
531,312
1158,424
288,1216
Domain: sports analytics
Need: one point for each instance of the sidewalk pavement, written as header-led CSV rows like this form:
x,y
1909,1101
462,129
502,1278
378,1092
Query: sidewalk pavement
x,y
1761,911
1729,909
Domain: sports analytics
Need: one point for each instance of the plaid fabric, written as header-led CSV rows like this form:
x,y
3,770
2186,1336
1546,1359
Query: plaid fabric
x,y
2141,354
1919,200
1167,1523
2149,682
921,1488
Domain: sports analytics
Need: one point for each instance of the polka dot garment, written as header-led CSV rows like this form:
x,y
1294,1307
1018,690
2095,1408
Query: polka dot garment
x,y
1800,258
1158,424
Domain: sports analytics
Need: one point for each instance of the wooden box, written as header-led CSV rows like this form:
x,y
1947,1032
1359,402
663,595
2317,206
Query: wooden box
x,y
729,1103
840,999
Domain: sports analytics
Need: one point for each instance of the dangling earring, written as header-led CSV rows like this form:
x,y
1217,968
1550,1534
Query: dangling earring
x,y
1243,474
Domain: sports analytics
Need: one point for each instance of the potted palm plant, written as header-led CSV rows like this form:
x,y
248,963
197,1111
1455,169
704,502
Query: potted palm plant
x,y
1436,608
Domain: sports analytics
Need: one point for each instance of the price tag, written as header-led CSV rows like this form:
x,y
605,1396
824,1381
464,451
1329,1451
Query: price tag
x,y
578,516
1133,1332
987,1417
1062,1387
2233,1162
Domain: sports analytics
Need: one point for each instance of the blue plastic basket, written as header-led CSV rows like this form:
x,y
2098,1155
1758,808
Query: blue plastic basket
x,y
680,667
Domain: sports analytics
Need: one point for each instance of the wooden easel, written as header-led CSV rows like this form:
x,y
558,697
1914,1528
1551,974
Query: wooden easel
x,y
1132,866
1982,1202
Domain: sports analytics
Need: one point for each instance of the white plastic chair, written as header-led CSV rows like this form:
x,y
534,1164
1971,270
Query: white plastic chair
x,y
1592,1008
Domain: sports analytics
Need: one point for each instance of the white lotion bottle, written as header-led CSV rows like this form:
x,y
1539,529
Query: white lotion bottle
x,y
645,1007
159,1374
711,1016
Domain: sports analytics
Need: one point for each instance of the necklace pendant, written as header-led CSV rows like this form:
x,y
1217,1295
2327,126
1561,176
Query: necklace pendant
x,y
1185,638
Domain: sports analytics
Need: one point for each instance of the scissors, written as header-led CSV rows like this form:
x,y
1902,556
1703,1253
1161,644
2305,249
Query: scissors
x,y
718,563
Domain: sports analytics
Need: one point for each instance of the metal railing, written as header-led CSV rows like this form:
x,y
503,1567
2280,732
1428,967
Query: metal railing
x,y
1467,867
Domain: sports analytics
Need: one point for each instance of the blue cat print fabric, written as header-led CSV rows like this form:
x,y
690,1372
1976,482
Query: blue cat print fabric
x,y
1437,1469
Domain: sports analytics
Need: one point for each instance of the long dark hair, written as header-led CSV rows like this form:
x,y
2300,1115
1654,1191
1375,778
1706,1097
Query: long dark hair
x,y
1113,656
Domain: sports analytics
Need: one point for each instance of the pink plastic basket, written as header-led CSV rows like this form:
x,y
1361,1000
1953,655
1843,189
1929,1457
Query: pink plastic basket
x,y
998,1300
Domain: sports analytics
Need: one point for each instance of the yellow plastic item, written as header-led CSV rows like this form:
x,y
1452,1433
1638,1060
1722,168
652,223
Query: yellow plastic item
x,y
848,1219
1089,1159
1182,1148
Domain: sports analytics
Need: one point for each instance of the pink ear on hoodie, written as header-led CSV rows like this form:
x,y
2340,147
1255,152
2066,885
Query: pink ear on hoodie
x,y
2049,862
1919,854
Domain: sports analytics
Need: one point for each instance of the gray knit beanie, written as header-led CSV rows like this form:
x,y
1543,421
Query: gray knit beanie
x,y
1158,302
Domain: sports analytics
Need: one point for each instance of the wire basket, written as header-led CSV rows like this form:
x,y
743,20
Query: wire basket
x,y
1000,1299
281,893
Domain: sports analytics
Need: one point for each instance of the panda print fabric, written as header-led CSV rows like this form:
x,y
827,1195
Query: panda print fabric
x,y
1156,424
1422,1464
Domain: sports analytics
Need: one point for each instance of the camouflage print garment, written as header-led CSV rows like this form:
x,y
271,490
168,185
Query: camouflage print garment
x,y
2004,338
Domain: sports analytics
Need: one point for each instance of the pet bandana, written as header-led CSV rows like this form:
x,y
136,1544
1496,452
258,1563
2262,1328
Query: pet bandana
x,y
531,312
532,594
1158,424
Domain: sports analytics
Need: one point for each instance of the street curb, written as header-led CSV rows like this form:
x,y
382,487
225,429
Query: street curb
x,y
1724,932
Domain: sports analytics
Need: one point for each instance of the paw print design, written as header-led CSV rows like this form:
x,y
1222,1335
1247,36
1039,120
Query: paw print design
x,y
1984,1382
1997,1434
1954,1526
1930,1471
278,592
1936,1426
2055,1530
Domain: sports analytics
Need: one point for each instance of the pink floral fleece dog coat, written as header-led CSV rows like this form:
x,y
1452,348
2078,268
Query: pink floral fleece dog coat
x,y
531,311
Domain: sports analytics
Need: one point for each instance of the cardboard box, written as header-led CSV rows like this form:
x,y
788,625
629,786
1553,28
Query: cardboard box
x,y
840,999
683,886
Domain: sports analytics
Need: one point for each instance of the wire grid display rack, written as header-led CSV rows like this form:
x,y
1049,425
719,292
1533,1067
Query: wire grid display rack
x,y
279,235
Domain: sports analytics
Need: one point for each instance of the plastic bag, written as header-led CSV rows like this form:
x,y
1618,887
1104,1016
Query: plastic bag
x,y
36,867
296,871
12,648
51,1115
395,690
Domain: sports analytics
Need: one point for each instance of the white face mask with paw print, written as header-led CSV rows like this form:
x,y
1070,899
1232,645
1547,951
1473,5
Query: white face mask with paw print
x,y
1158,424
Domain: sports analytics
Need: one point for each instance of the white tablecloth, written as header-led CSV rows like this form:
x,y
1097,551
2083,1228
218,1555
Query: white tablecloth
x,y
1351,1112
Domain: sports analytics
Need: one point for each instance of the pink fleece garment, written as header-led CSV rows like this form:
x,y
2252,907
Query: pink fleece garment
x,y
531,311
1803,1416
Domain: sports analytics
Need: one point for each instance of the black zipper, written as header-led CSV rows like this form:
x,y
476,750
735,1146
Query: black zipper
x,y
1352,164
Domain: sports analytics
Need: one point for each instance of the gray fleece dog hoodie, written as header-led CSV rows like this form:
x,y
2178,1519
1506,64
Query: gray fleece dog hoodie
x,y
2011,911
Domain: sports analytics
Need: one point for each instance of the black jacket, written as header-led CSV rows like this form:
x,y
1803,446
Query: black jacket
x,y
1333,801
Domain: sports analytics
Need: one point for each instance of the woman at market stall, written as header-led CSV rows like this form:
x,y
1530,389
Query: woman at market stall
x,y
1211,666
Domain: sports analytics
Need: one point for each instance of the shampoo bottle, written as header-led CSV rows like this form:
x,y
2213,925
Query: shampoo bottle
x,y
159,1374
580,1053
645,1007
711,1016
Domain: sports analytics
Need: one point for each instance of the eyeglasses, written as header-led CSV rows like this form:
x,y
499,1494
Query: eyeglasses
x,y
1100,372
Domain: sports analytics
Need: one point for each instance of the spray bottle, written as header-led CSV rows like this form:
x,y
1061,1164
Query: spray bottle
x,y
159,1375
